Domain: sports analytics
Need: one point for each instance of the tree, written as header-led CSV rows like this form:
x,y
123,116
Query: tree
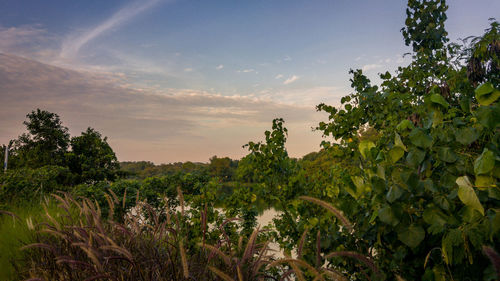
x,y
426,196
91,158
269,162
45,143
222,167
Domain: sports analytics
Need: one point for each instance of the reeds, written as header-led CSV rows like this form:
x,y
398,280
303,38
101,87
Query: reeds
x,y
165,244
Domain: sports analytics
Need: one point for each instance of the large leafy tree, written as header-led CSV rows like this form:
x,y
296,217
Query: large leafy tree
x,y
268,162
91,158
426,196
45,143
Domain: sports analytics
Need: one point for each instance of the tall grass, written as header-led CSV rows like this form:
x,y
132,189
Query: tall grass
x,y
70,238
16,230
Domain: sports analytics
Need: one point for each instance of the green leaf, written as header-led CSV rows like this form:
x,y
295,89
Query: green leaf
x,y
415,157
484,163
488,116
446,154
466,135
419,138
438,99
484,181
405,124
494,192
398,142
359,183
432,215
365,146
467,195
386,215
412,236
396,153
484,88
394,193
449,242
486,94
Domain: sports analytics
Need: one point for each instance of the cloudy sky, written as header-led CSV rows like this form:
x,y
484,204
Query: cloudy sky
x,y
185,80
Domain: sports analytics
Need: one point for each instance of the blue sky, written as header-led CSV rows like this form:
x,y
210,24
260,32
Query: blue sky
x,y
238,58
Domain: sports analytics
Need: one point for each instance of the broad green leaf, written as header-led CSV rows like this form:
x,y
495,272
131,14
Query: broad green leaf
x,y
412,236
394,193
484,181
494,192
466,135
438,99
465,104
488,116
449,242
419,138
353,193
365,146
486,94
415,157
467,195
398,142
378,184
405,124
446,154
484,163
386,215
488,98
396,153
381,171
484,88
358,182
436,218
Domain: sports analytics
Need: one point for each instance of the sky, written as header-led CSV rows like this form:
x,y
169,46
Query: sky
x,y
184,80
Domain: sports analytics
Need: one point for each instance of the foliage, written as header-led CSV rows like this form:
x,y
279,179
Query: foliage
x,y
223,168
30,185
45,143
268,162
426,196
91,158
145,169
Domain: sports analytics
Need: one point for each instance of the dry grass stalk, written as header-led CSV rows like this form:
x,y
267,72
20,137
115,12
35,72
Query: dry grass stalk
x,y
332,209
217,251
185,267
221,274
370,264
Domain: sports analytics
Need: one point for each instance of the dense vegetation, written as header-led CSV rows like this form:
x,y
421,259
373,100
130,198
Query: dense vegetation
x,y
407,190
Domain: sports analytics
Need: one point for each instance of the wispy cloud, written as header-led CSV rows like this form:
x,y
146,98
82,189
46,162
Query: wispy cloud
x,y
369,67
359,58
290,80
26,40
71,46
279,76
246,70
305,96
141,122
188,69
219,67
